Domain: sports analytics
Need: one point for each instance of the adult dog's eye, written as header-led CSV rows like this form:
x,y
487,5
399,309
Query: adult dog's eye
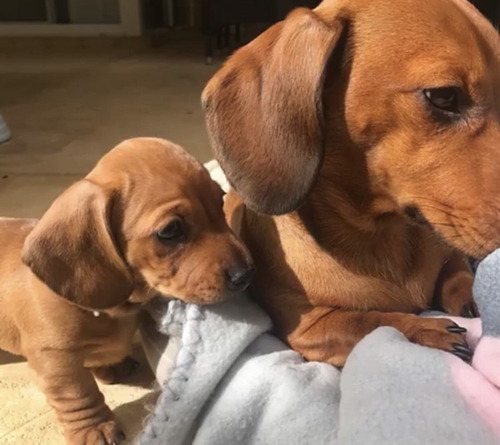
x,y
173,231
444,99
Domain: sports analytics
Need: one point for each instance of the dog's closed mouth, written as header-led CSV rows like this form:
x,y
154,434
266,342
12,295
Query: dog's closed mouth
x,y
415,215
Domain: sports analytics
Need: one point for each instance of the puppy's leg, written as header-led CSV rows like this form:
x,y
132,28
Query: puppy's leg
x,y
329,334
73,393
115,373
453,293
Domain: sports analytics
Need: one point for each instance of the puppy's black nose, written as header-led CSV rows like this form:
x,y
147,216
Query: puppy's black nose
x,y
239,278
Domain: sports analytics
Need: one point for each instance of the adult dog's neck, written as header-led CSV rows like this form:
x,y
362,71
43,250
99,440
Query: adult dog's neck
x,y
352,221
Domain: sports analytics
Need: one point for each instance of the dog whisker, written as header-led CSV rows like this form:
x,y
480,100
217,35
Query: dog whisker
x,y
431,200
440,210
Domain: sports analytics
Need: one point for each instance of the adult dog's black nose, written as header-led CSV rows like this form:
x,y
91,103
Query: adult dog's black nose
x,y
239,278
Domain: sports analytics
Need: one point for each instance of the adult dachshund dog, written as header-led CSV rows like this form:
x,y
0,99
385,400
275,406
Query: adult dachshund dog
x,y
146,220
363,138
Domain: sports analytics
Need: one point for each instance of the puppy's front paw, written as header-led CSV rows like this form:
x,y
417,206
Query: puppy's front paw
x,y
116,373
106,433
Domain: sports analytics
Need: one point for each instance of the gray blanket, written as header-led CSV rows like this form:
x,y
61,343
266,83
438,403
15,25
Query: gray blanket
x,y
233,383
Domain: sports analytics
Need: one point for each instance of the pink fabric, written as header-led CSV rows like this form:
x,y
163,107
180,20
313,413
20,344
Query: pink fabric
x,y
487,360
479,384
478,392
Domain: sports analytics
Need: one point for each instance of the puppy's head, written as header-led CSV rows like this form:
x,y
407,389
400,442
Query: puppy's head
x,y
148,219
401,98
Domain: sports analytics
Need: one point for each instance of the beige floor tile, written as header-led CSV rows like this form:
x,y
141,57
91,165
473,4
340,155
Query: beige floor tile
x,y
66,110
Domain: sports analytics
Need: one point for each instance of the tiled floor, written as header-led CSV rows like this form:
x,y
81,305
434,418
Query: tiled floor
x,y
66,108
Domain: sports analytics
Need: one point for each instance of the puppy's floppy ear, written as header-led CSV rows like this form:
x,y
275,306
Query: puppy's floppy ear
x,y
264,112
72,249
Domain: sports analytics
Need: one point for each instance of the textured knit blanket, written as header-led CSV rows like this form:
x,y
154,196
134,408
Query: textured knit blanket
x,y
233,383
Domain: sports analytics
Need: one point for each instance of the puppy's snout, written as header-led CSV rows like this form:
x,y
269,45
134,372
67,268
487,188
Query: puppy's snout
x,y
239,278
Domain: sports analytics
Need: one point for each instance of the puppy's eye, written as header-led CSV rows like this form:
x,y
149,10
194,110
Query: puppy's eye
x,y
173,231
445,99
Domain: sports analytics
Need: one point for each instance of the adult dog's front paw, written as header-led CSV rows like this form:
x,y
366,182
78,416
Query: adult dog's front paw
x,y
440,333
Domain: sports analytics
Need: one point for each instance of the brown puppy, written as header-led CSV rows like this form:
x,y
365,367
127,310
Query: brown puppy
x,y
146,220
373,128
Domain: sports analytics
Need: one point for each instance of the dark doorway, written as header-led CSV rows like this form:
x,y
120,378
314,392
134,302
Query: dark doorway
x,y
490,9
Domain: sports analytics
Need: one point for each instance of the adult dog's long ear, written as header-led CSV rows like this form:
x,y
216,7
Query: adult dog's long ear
x,y
264,112
73,251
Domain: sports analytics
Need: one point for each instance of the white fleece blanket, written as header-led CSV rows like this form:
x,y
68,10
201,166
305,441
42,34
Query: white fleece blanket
x,y
228,366
235,384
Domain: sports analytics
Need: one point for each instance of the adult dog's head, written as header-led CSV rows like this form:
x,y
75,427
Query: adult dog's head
x,y
394,105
